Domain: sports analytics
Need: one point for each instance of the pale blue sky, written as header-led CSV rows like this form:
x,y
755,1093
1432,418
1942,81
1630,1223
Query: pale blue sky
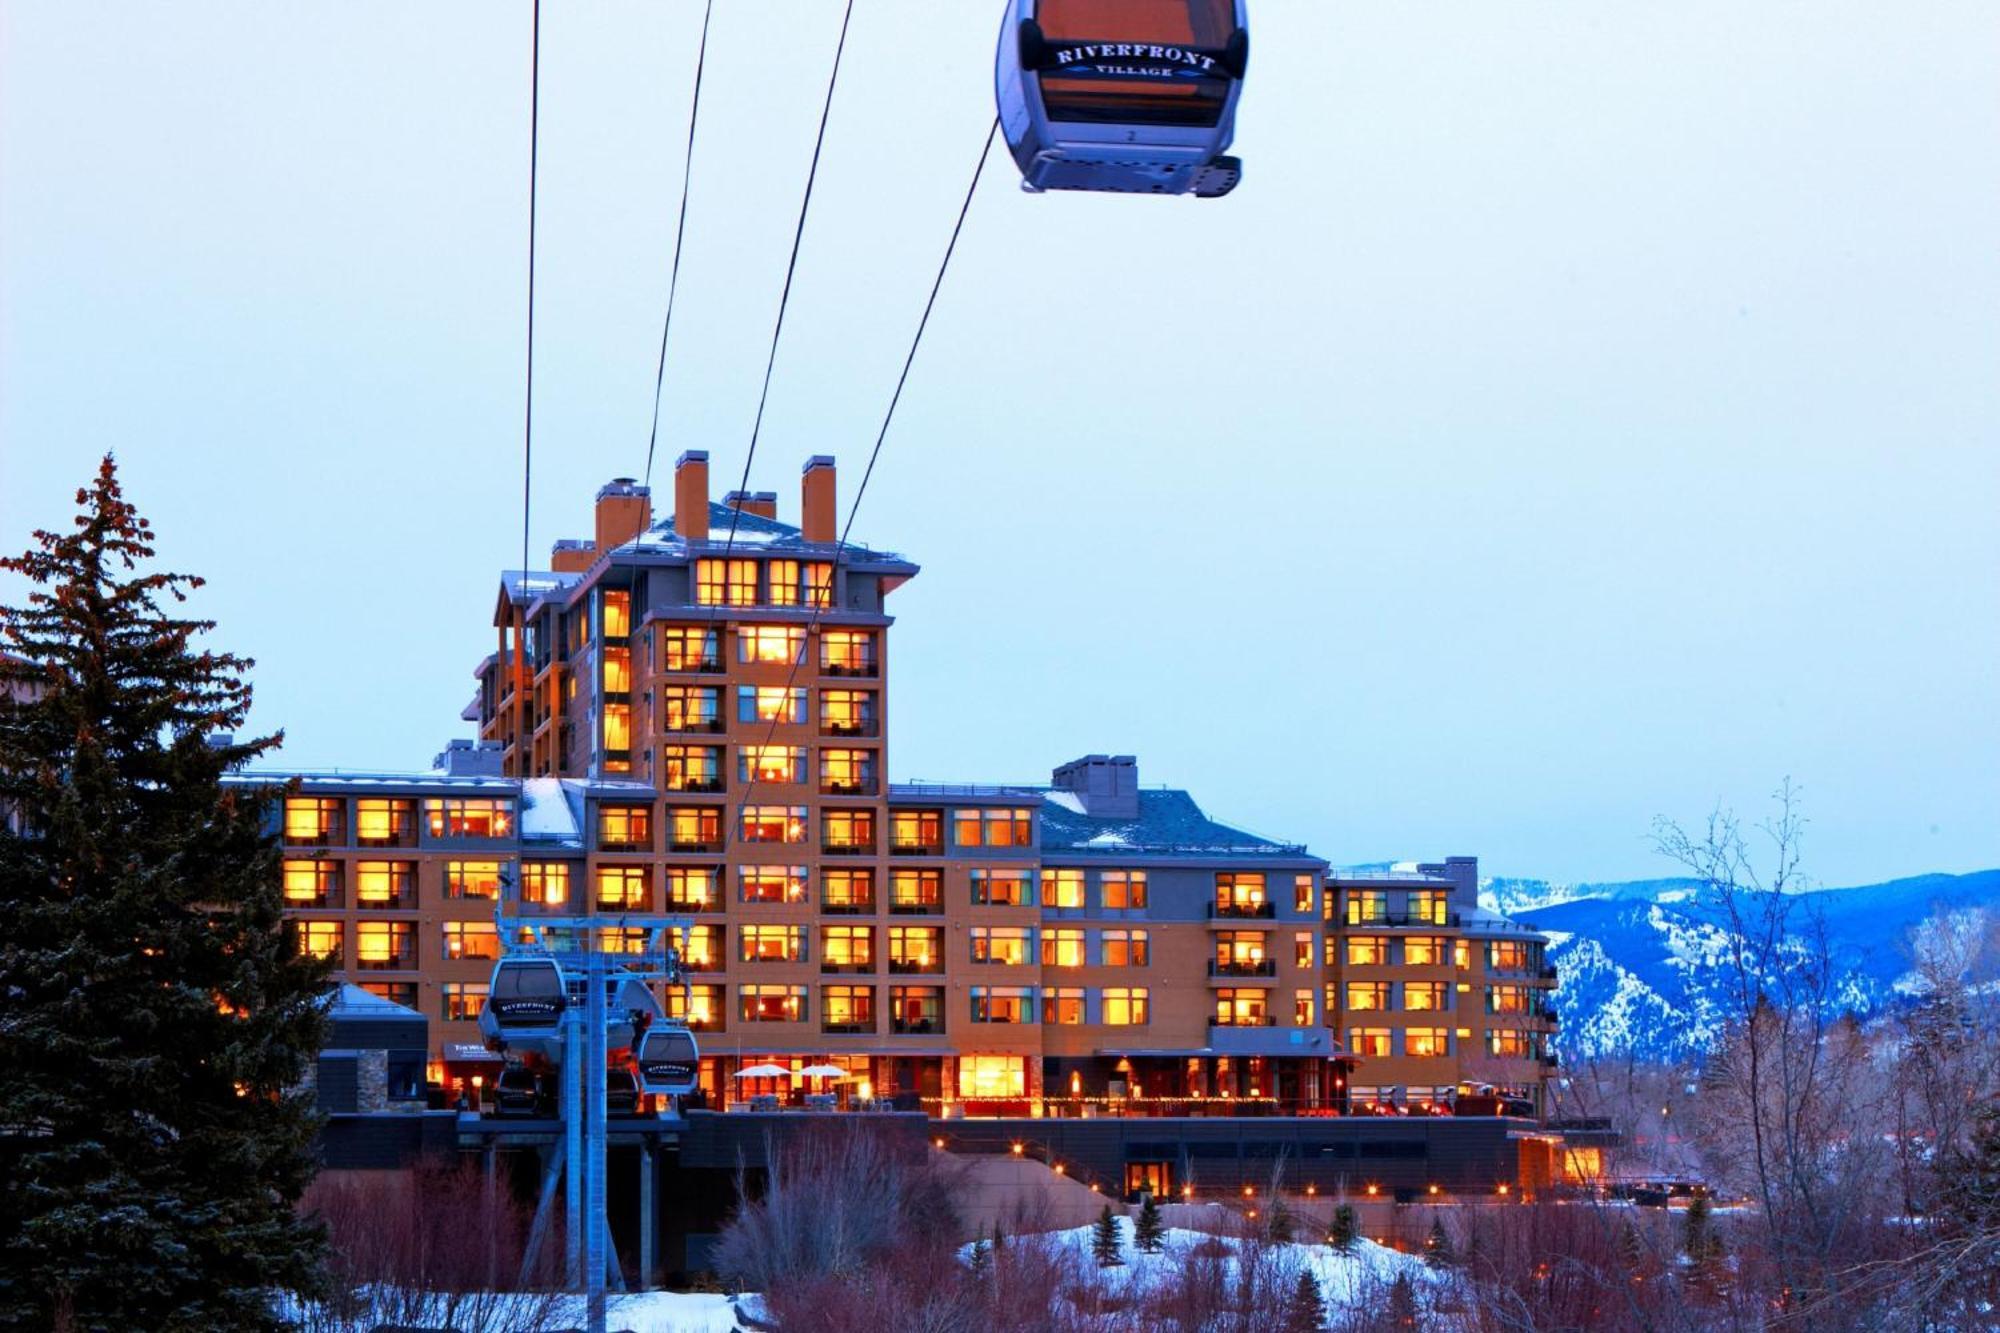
x,y
1581,412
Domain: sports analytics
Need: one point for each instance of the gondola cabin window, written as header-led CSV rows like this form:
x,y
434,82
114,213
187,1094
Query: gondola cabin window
x,y
470,818
1192,27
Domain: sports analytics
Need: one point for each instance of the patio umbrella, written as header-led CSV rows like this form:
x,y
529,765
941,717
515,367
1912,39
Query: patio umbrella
x,y
823,1071
763,1071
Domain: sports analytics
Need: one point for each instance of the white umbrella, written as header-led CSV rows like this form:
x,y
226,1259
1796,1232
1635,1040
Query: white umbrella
x,y
763,1071
823,1071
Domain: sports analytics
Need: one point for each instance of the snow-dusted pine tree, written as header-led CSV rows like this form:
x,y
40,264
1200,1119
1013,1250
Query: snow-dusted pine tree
x,y
1104,1240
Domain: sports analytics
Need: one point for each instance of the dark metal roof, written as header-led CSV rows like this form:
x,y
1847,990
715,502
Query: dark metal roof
x,y
1169,823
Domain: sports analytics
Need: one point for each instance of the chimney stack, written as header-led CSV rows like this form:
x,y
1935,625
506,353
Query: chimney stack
x,y
819,521
764,504
624,510
691,495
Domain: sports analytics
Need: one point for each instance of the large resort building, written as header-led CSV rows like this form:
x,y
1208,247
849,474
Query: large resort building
x,y
691,717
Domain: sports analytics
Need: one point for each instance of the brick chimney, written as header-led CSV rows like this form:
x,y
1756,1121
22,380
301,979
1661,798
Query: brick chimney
x,y
764,504
691,495
819,521
1106,785
624,510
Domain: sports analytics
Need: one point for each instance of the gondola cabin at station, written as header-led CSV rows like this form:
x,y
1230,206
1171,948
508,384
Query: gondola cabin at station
x,y
1124,96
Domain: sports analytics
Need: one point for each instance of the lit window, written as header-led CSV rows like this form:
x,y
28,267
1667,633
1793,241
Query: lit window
x,y
385,884
617,613
771,944
847,891
847,712
622,888
1367,907
846,948
1302,1008
847,652
770,763
742,583
395,992
916,1009
1242,1008
463,1000
915,949
1302,894
1125,1006
1507,999
1367,951
1423,951
772,1004
1003,1004
915,891
708,582
1461,953
819,584
618,728
470,818
847,772
1006,946
692,889
472,879
1431,906
691,708
1124,890
773,823
1243,953
1240,894
622,939
770,703
1509,1043
320,939
847,1009
1062,889
1302,948
1367,996
471,939
1062,946
994,828
698,1006
771,884
1507,956
1426,1042
1423,995
992,1076
312,883
689,647
784,578
779,644
383,944
1002,888
312,821
701,948
617,670
625,828
385,823
916,831
545,883
691,767
1373,1043
1063,1005
847,832
1126,948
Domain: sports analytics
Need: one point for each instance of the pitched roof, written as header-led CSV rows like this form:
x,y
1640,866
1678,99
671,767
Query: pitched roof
x,y
752,531
1169,822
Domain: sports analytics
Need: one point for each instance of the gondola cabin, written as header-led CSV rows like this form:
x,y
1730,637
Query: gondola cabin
x,y
524,1007
1128,96
668,1060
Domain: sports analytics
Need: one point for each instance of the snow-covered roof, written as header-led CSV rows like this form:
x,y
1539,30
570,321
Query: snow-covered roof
x,y
1169,824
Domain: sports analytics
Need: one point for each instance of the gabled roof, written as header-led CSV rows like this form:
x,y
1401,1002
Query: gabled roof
x,y
753,532
1169,823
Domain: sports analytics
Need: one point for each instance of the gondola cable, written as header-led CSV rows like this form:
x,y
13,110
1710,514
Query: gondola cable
x,y
680,231
888,416
528,410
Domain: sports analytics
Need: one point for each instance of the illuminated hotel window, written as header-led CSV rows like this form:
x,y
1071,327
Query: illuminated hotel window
x,y
1509,1043
1367,951
314,821
1430,906
773,823
1062,889
1125,1006
1242,1008
1423,995
622,939
771,944
692,889
1002,888
915,949
1062,946
1123,890
847,1009
1063,1005
463,1000
771,884
1507,999
1302,1008
321,939
470,818
617,731
770,703
622,888
1366,907
395,992
1370,1043
1461,954
992,1076
1002,1004
1302,894
916,1009
697,1006
846,948
312,883
819,584
689,648
384,944
994,828
385,884
847,652
1302,948
545,883
1423,951
785,586
916,831
779,644
917,891
1243,953
772,1004
1329,999
691,708
1507,956
742,589
385,823
1330,951
701,948
625,828
471,939
694,828
708,582
617,670
847,832
1365,996
847,891
847,712
1006,946
847,772
691,767
472,879
617,613
770,763
1126,948
1426,1042
1240,894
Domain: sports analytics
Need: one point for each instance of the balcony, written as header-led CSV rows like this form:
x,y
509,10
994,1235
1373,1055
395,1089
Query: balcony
x,y
849,669
863,1027
711,666
1262,967
693,725
711,846
397,838
917,848
916,1027
854,907
1248,1021
701,964
864,728
1243,911
847,848
860,787
918,907
708,785
861,968
914,967
1407,920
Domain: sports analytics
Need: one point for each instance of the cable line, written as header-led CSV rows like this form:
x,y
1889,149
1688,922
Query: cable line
x,y
840,547
534,153
791,266
680,230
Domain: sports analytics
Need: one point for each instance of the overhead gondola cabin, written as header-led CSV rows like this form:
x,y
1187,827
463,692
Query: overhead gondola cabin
x,y
668,1059
524,1007
1127,96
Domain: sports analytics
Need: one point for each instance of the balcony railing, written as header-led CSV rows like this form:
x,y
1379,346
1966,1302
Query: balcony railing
x,y
847,848
1263,967
699,784
916,1027
917,848
848,1029
848,668
706,665
1405,919
904,967
858,907
863,787
922,907
399,838
863,728
1246,1021
694,724
694,844
1226,909
848,969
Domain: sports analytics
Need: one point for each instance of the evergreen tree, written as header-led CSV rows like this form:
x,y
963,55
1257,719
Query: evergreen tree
x,y
1278,1227
1104,1240
1403,1302
1346,1228
157,1026
1148,1230
1438,1249
1305,1312
981,1261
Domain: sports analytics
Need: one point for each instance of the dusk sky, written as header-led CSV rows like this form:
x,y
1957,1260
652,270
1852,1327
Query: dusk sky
x,y
1580,413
